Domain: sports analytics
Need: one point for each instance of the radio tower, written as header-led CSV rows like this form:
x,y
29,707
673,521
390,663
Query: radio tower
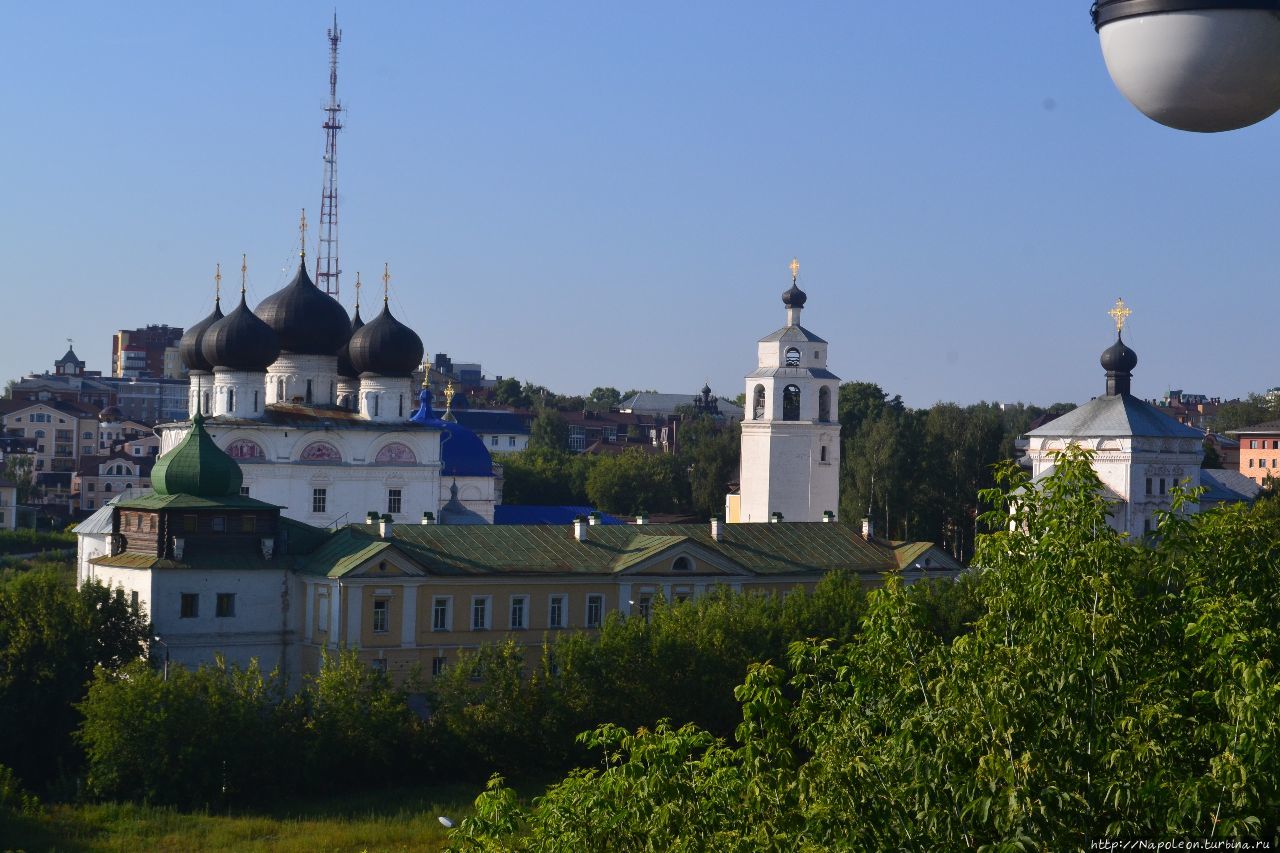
x,y
327,269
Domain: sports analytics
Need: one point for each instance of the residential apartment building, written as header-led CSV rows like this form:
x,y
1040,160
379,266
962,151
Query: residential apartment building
x,y
501,430
1259,451
147,352
8,505
101,478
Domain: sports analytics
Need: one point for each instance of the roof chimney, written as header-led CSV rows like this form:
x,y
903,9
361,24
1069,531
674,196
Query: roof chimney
x,y
828,516
775,517
867,529
580,529
428,518
384,526
642,518
717,528
593,518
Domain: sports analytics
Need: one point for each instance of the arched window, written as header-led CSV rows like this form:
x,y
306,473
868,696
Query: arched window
x,y
793,357
395,453
308,399
279,390
791,403
824,404
682,564
244,450
106,487
39,433
231,399
204,409
757,406
320,451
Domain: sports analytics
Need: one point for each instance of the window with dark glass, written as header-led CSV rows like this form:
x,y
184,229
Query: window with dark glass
x,y
393,501
190,607
824,403
757,404
225,606
381,612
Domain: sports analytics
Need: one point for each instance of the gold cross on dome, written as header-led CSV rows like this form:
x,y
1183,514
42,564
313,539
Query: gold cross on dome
x,y
795,270
302,233
386,283
217,282
426,373
244,271
448,396
1120,313
358,290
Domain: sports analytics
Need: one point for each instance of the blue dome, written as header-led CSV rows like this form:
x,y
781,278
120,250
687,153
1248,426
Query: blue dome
x,y
462,453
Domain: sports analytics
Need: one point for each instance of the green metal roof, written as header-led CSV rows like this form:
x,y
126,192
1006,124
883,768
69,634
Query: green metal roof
x,y
758,549
156,502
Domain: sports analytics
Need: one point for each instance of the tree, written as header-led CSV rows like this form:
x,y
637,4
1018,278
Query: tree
x,y
1101,689
549,431
52,636
603,399
707,461
1234,414
631,482
19,470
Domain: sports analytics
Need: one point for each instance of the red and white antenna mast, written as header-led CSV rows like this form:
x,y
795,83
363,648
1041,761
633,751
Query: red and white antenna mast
x,y
327,268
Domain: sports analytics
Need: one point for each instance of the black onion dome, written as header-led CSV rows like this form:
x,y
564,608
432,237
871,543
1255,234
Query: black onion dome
x,y
1118,358
306,320
794,298
240,341
345,367
386,347
189,343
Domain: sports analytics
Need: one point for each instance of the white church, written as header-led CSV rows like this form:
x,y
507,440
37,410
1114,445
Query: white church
x,y
320,411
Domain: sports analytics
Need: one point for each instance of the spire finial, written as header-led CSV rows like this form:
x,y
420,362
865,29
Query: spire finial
x,y
1120,313
244,271
302,234
448,401
795,270
358,291
217,283
386,283
426,373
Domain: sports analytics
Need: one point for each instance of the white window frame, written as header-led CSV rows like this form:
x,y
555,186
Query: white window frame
x,y
385,610
445,624
486,601
596,599
319,500
523,602
563,600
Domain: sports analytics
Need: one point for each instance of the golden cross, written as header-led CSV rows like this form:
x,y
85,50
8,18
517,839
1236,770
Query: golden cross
x,y
217,282
1120,313
302,231
244,271
448,396
795,270
386,283
426,373
357,291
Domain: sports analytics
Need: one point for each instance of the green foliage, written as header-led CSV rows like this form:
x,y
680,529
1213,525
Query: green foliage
x,y
1102,688
707,461
603,399
549,432
541,476
31,541
1254,409
19,469
15,799
502,710
633,480
52,636
234,736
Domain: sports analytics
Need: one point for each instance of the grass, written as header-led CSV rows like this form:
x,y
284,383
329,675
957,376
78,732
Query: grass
x,y
392,820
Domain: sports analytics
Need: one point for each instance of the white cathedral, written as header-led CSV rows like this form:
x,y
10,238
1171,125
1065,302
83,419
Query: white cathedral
x,y
790,468
320,411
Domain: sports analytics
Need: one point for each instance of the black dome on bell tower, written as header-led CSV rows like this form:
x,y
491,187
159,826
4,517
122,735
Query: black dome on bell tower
x,y
345,367
1118,360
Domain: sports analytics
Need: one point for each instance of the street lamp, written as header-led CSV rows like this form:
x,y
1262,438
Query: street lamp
x,y
166,655
1199,65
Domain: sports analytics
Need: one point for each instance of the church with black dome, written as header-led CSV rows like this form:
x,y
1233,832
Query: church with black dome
x,y
321,411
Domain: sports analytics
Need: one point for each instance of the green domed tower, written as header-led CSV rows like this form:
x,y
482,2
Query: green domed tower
x,y
197,467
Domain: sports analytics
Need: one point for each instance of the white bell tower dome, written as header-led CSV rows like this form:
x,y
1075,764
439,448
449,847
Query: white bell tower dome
x,y
790,433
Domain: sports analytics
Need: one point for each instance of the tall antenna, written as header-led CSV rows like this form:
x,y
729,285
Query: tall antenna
x,y
327,268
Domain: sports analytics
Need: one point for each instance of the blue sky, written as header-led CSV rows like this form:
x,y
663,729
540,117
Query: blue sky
x,y
582,194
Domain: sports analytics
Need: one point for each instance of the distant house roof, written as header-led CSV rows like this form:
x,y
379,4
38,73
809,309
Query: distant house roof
x,y
1116,415
1267,427
564,515
1224,486
490,421
77,410
654,403
89,464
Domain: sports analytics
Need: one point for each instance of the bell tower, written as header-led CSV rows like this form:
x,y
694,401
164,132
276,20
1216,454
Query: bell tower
x,y
790,434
